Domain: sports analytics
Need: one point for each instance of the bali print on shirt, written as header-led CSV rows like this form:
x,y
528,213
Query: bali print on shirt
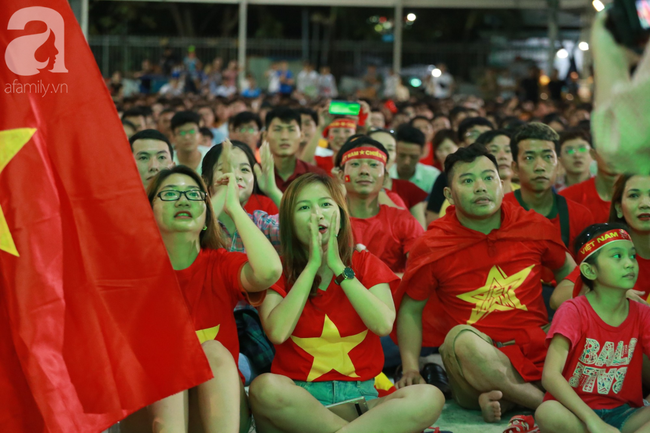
x,y
603,368
498,293
330,351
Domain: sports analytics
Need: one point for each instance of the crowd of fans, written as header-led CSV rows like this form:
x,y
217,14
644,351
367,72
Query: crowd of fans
x,y
457,224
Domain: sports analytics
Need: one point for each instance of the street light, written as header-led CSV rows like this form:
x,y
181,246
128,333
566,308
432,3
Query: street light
x,y
598,5
411,17
584,46
436,73
562,53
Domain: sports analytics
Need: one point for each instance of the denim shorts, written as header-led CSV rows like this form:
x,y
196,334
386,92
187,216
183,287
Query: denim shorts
x,y
618,416
336,391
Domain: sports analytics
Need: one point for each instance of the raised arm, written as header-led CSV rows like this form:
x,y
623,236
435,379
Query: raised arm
x,y
279,315
264,267
265,175
324,119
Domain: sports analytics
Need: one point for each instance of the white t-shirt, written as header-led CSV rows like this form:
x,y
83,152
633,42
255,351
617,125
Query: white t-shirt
x,y
203,151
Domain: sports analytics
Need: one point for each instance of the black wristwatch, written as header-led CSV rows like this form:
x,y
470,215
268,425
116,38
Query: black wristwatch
x,y
347,274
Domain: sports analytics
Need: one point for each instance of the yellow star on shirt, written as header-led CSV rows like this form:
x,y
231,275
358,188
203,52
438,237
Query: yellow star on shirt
x,y
330,351
498,293
11,141
207,334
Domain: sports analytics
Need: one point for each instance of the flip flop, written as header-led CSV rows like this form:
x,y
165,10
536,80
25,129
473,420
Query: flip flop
x,y
522,424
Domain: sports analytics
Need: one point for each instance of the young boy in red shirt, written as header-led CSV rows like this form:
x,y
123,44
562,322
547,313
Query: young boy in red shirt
x,y
473,288
595,193
387,232
535,147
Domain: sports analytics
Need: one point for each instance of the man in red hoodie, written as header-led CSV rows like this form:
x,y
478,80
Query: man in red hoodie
x,y
473,288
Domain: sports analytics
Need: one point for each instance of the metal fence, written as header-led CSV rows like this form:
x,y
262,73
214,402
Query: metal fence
x,y
466,60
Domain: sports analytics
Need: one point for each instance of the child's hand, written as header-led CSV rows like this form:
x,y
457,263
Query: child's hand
x,y
635,295
265,172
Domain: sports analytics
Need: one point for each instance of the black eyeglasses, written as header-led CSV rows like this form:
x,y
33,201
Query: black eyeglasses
x,y
173,195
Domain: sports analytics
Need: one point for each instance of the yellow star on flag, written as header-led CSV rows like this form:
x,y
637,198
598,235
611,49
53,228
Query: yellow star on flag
x,y
11,141
330,351
498,293
207,334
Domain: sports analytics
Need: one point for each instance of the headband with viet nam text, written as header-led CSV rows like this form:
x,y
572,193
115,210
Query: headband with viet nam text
x,y
367,152
600,241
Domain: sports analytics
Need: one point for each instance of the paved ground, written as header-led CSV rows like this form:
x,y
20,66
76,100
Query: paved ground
x,y
458,420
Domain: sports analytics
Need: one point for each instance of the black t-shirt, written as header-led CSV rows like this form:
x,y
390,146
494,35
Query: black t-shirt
x,y
437,196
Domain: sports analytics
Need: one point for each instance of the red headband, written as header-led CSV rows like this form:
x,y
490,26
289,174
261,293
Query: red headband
x,y
366,152
340,123
595,244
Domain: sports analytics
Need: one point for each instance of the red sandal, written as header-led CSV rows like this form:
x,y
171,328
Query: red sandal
x,y
522,424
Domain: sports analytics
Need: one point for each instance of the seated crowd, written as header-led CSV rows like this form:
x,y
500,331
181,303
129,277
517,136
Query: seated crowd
x,y
338,250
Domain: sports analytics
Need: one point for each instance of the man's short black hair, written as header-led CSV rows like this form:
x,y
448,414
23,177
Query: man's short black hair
x,y
309,112
358,140
133,112
487,137
167,110
533,131
574,134
151,134
454,112
471,122
511,123
467,154
244,117
409,134
419,117
183,117
554,117
286,115
206,132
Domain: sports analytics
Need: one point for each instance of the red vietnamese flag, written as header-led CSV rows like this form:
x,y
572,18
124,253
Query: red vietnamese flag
x,y
92,322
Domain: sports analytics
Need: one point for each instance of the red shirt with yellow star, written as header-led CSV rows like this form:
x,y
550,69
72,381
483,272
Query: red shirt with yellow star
x,y
491,282
330,341
212,288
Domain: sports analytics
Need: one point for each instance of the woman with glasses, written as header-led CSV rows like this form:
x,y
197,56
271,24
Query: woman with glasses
x,y
325,317
212,281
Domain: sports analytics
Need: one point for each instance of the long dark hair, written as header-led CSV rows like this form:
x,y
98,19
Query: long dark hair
x,y
294,254
212,157
617,198
211,237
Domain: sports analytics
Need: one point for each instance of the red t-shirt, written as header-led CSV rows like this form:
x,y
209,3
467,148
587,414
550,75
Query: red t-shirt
x,y
430,159
604,362
301,168
396,198
389,235
410,193
325,163
492,282
330,341
586,194
642,281
260,202
579,218
212,288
